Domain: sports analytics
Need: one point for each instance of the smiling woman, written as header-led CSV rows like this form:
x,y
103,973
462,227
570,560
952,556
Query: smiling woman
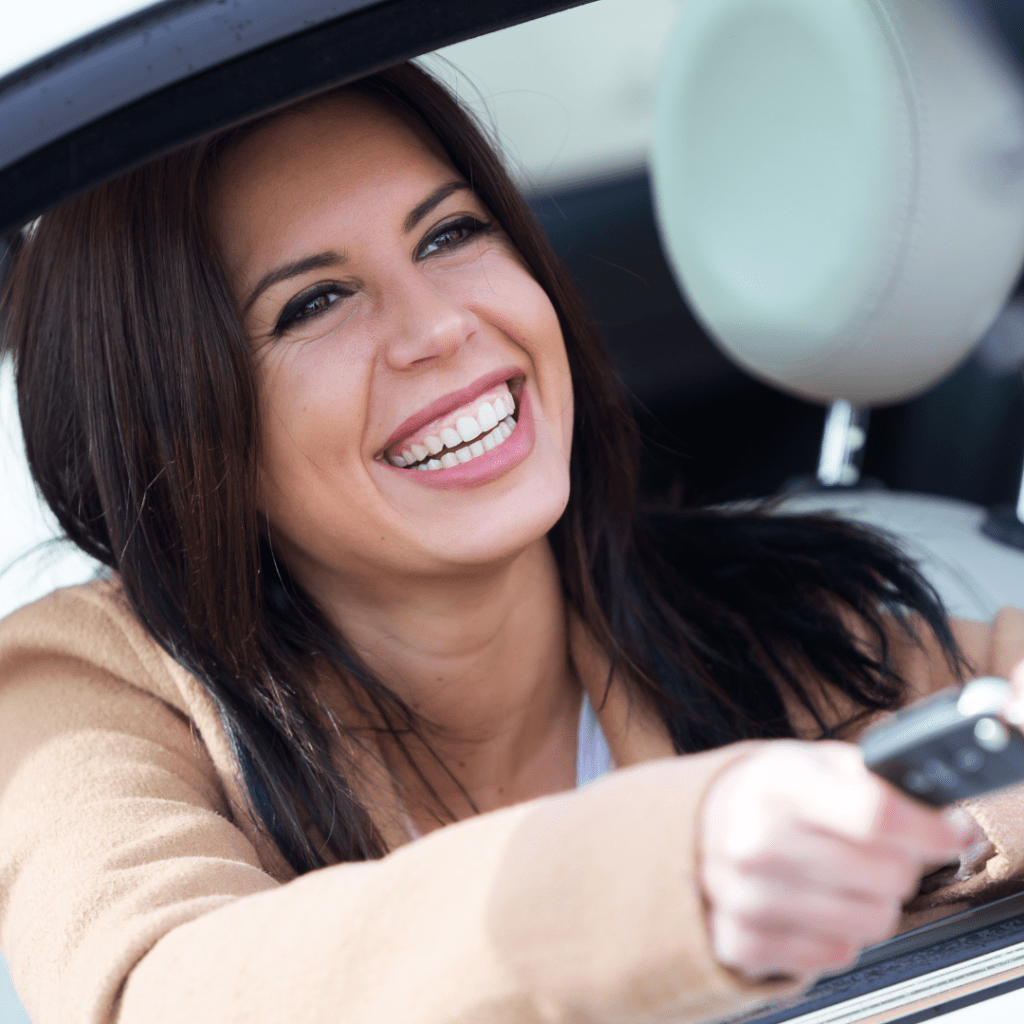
x,y
427,319
317,393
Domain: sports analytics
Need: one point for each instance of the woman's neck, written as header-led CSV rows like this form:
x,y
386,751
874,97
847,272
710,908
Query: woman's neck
x,y
484,663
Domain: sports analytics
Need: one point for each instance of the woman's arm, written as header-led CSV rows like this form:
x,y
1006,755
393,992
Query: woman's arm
x,y
577,907
129,891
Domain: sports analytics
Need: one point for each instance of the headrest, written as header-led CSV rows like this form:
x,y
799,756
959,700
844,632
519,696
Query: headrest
x,y
840,187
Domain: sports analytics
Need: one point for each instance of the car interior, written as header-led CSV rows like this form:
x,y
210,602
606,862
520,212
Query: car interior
x,y
824,311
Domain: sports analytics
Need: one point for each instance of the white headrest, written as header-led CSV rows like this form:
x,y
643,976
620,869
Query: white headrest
x,y
840,187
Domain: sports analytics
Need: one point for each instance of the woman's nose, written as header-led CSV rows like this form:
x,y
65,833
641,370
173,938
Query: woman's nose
x,y
426,322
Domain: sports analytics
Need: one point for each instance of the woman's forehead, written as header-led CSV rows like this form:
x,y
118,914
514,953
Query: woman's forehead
x,y
344,155
344,134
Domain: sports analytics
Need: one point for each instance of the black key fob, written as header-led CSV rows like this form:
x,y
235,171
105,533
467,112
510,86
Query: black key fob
x,y
948,747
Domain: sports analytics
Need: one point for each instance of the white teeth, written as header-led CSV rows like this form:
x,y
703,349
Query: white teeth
x,y
494,423
468,428
492,419
486,416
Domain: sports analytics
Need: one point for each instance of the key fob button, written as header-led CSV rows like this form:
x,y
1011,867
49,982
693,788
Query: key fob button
x,y
969,759
949,746
941,773
991,735
917,782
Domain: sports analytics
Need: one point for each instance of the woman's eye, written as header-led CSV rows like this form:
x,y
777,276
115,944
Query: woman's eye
x,y
452,234
309,305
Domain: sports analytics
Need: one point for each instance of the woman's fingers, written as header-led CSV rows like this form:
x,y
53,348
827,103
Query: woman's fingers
x,y
770,903
801,842
931,835
822,787
802,856
759,953
1013,709
841,797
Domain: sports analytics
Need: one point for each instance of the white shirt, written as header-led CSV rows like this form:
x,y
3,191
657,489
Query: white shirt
x,y
593,758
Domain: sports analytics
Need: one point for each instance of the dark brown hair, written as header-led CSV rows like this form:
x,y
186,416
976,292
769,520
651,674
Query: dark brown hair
x,y
138,400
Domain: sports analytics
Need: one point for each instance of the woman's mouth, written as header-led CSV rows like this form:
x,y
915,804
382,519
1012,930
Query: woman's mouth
x,y
462,435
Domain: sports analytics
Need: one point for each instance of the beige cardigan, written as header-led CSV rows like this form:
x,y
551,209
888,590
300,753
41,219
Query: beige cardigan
x,y
135,888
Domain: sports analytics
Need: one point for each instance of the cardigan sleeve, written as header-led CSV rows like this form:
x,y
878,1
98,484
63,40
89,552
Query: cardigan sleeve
x,y
130,893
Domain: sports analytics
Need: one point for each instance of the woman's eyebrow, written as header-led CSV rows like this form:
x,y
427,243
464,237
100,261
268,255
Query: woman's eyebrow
x,y
438,196
294,269
332,259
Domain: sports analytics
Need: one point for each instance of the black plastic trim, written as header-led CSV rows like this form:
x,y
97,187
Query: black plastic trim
x,y
944,943
137,55
963,923
380,33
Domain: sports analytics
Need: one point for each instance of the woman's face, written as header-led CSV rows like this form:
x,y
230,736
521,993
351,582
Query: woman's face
x,y
399,337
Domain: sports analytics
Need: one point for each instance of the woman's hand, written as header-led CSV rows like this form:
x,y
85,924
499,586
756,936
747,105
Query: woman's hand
x,y
808,857
1013,709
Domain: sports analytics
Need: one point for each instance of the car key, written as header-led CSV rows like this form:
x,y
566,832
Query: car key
x,y
949,746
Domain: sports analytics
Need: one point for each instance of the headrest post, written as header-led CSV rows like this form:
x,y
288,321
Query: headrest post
x,y
1020,500
842,444
1006,523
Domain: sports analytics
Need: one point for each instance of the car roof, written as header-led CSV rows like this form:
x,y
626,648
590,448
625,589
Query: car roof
x,y
83,100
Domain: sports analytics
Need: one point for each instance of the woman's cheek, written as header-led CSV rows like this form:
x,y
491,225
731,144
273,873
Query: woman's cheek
x,y
511,300
313,415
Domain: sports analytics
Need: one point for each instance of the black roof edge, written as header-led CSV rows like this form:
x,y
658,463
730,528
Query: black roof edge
x,y
299,65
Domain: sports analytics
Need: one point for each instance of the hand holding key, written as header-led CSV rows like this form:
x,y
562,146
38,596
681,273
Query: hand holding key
x,y
952,746
808,857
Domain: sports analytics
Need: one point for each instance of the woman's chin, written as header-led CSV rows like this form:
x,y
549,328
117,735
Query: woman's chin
x,y
497,526
491,507
497,546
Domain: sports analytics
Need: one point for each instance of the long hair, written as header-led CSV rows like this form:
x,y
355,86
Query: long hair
x,y
139,404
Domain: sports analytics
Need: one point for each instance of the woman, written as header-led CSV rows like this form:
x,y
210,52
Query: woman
x,y
319,396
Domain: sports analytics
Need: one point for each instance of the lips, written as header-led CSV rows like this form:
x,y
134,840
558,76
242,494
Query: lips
x,y
491,465
450,426
460,436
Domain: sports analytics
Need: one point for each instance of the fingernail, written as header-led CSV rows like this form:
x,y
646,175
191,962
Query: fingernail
x,y
1013,713
968,830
